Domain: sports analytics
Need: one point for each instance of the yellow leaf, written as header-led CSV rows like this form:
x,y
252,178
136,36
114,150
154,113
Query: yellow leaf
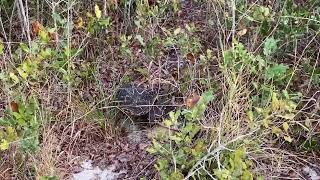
x,y
250,116
242,32
209,53
285,126
79,23
44,35
291,106
286,116
14,78
277,131
22,73
25,66
177,31
282,105
11,134
266,122
4,145
97,11
168,123
259,110
89,15
275,102
288,138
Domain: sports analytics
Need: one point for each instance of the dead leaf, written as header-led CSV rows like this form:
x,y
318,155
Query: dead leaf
x,y
191,58
54,37
192,100
242,32
242,24
14,107
36,27
152,3
79,23
115,3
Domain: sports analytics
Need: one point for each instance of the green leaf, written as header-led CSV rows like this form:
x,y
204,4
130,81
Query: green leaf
x,y
288,116
43,36
143,71
286,94
140,39
67,51
207,97
171,115
275,102
276,71
97,11
24,47
48,178
260,178
34,47
163,164
4,145
46,53
277,131
151,150
177,31
177,175
285,126
11,134
288,138
176,138
51,30
167,123
270,46
105,22
56,17
223,173
22,73
247,175
259,110
1,48
250,116
14,78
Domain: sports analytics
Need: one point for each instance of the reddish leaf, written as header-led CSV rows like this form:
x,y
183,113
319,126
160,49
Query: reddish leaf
x,y
191,58
36,27
192,100
14,107
152,2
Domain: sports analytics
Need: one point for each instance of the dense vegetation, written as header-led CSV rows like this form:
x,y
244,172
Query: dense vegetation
x,y
244,77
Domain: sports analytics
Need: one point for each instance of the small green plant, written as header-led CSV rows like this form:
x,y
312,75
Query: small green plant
x,y
150,14
235,165
21,126
125,46
96,23
277,116
183,39
49,178
180,150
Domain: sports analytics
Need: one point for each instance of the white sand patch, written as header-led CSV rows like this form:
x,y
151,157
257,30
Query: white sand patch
x,y
95,173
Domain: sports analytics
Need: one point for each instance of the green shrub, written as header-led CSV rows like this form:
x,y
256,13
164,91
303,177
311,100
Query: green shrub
x,y
21,126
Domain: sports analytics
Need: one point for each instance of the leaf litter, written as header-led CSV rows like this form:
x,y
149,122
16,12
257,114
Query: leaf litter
x,y
85,151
